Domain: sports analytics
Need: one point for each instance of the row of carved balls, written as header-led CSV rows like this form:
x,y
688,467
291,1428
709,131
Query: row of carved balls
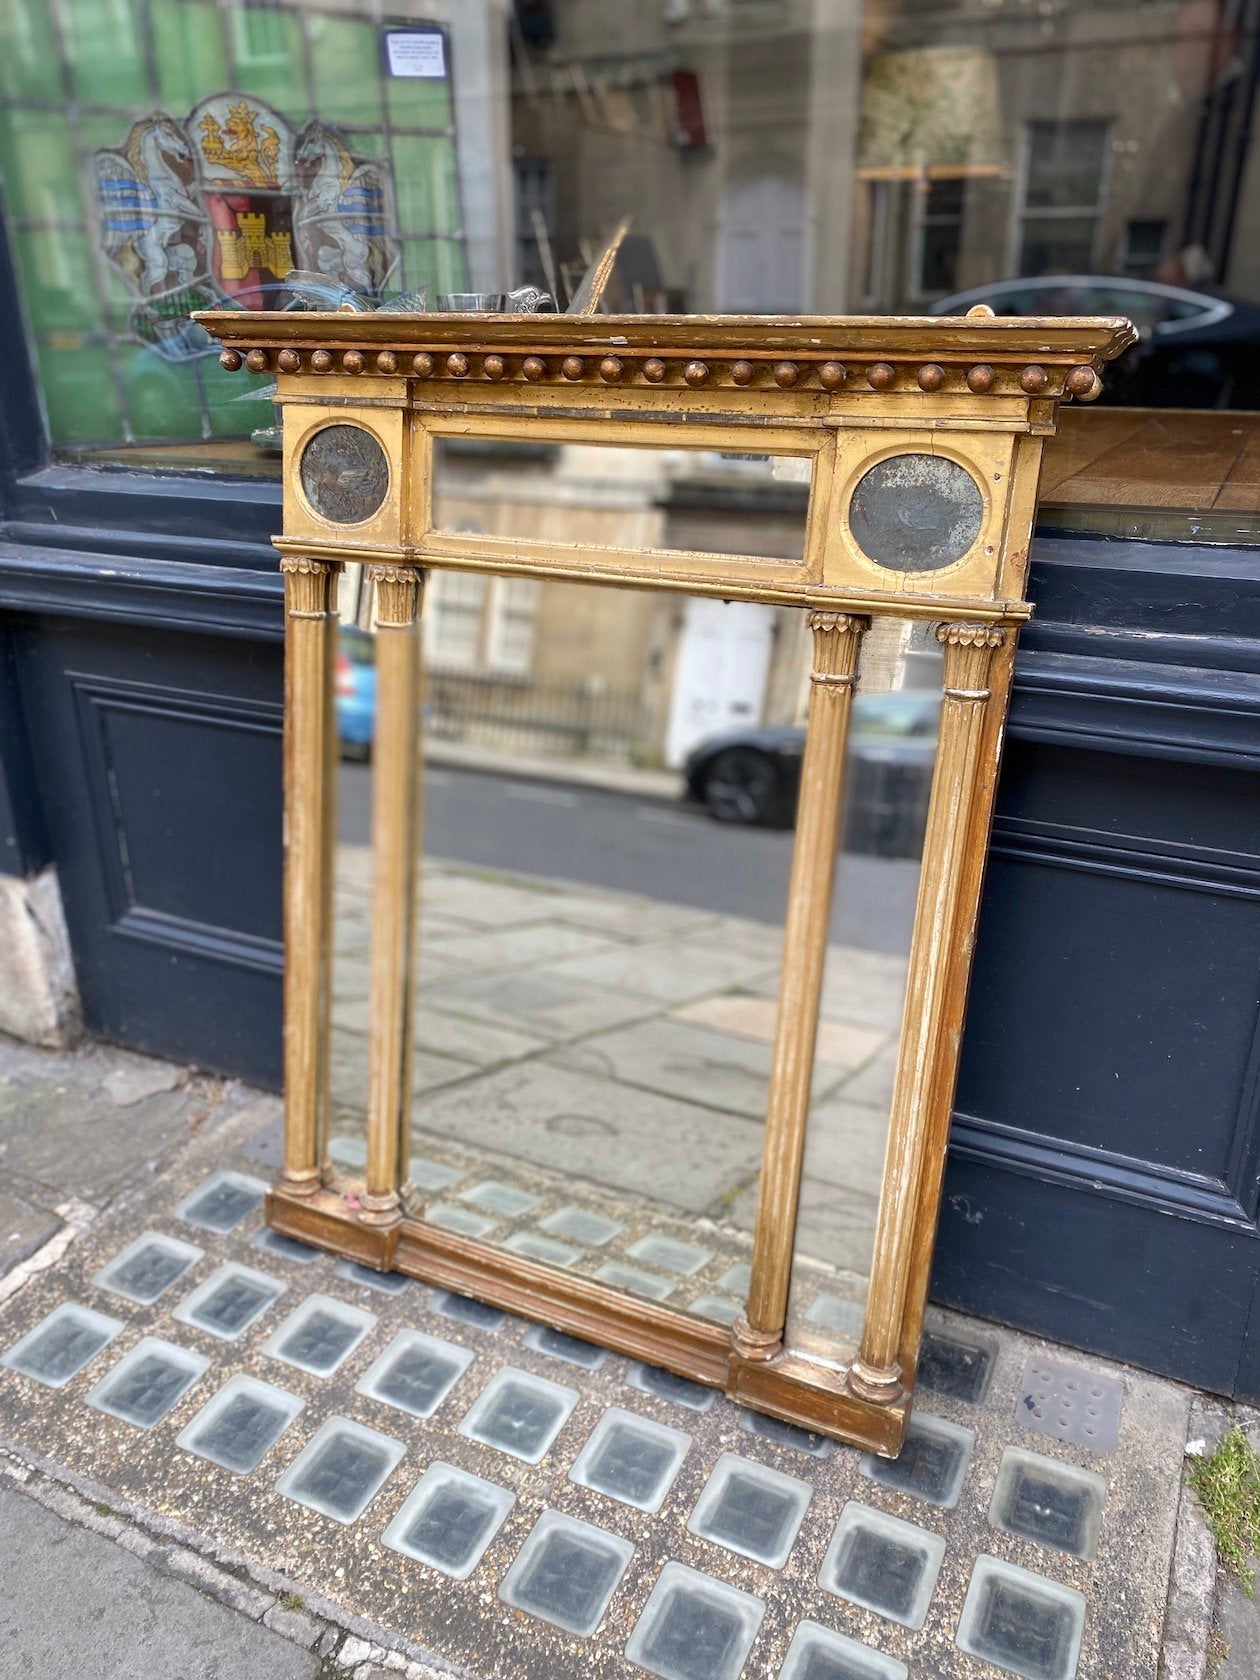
x,y
1081,382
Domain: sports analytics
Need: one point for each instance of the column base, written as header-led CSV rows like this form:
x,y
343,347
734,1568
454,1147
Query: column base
x,y
880,1384
306,1183
750,1343
380,1210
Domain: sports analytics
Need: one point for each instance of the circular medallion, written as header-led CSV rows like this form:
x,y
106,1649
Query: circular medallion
x,y
916,513
344,474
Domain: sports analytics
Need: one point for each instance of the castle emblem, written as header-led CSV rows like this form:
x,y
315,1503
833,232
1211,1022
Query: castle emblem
x,y
216,210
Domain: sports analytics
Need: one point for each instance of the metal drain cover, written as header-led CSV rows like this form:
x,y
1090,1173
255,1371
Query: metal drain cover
x,y
1070,1403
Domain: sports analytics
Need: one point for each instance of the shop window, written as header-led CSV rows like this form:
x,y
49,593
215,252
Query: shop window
x,y
940,238
163,156
1062,194
1144,246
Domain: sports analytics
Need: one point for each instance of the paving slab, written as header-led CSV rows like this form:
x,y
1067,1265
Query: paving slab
x,y
722,1070
72,1602
605,1133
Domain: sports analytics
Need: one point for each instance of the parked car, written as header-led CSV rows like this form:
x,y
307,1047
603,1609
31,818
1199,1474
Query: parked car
x,y
1194,350
354,689
753,775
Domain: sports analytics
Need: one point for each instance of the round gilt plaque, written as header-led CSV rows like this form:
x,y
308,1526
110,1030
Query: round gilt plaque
x,y
916,512
344,474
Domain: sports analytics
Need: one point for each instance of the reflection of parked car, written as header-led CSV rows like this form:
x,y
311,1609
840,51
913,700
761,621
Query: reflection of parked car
x,y
354,686
753,775
1195,350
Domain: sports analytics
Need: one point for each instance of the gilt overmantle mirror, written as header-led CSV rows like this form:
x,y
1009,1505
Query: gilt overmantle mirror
x,y
920,442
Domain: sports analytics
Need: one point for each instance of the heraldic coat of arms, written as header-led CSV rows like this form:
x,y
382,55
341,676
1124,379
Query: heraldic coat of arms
x,y
215,211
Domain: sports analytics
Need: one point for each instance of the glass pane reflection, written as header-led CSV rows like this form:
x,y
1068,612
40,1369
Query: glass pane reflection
x,y
891,751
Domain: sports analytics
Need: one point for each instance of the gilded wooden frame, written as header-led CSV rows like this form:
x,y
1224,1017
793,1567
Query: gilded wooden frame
x,y
844,393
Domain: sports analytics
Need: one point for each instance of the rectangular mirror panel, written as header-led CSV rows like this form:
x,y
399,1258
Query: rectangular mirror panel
x,y
890,759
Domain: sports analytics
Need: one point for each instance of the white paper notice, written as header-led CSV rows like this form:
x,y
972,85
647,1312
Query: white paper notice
x,y
415,52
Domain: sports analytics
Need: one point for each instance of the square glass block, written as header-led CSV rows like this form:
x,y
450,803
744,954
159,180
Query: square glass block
x,y
60,1345
319,1335
341,1469
427,1174
447,1217
449,1519
229,1301
348,1152
546,1249
222,1201
751,1509
832,1312
572,1349
285,1248
695,1628
786,1434
635,1282
1055,1504
580,1225
241,1424
931,1464
883,1563
148,1268
519,1413
147,1382
495,1197
415,1373
667,1254
566,1572
817,1653
720,1308
384,1283
1021,1622
631,1458
668,1385
464,1310
736,1280
957,1366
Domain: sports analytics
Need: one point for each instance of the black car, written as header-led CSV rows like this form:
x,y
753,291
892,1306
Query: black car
x,y
753,775
1194,349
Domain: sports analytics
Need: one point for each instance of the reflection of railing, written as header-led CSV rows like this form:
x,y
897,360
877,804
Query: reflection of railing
x,y
524,714
887,807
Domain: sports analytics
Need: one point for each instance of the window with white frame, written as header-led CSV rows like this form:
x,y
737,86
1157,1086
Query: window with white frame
x,y
1064,181
479,623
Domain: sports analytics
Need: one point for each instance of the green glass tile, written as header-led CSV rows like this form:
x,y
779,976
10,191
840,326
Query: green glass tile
x,y
346,69
419,101
29,63
425,188
79,395
232,413
105,53
37,161
452,270
420,267
268,58
189,49
162,397
56,269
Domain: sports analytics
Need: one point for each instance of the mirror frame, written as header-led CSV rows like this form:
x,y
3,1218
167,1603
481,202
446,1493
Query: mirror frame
x,y
843,392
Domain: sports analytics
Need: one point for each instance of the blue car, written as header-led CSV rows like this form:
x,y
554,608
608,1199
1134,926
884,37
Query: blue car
x,y
354,687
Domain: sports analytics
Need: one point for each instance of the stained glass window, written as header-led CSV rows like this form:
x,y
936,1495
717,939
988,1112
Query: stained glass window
x,y
161,156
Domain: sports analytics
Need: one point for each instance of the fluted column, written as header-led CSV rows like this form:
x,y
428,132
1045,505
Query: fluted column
x,y
836,638
396,758
944,919
310,596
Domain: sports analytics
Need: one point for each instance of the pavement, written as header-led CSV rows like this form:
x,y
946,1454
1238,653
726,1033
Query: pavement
x,y
230,1456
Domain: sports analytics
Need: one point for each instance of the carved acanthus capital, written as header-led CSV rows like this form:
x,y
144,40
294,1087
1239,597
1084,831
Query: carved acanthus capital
x,y
837,636
310,586
398,593
969,651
